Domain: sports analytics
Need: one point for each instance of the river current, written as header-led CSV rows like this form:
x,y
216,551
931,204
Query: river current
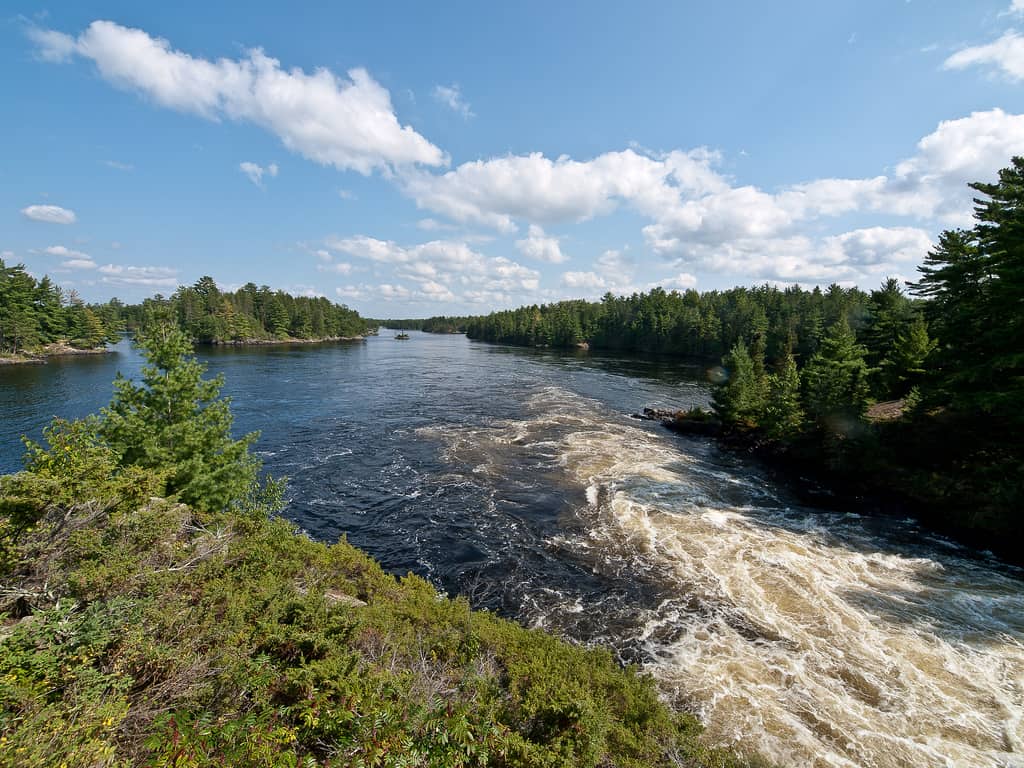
x,y
516,477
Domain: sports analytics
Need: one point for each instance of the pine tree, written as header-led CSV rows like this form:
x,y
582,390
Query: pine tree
x,y
783,415
176,421
88,331
277,318
740,400
836,378
891,315
1000,234
905,367
956,279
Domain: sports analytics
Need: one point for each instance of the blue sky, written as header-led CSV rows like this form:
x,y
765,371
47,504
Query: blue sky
x,y
411,160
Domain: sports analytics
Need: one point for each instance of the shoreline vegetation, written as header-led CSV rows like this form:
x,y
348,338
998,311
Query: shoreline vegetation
x,y
38,319
251,315
915,401
156,610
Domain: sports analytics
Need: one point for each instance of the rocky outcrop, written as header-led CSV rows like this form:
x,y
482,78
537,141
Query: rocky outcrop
x,y
56,349
693,422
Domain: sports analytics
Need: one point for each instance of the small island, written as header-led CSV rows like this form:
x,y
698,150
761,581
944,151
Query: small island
x,y
250,316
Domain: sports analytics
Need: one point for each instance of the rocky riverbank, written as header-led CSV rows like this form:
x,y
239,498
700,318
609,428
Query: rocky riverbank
x,y
882,468
57,349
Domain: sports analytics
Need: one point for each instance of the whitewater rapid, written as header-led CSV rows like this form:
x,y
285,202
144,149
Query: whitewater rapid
x,y
813,638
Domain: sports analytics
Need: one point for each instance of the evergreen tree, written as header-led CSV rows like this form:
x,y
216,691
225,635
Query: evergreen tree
x,y
175,421
783,415
836,378
1000,234
890,317
86,329
740,400
19,323
956,277
905,367
277,318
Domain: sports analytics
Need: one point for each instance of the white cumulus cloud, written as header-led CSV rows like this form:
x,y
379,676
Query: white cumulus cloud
x,y
347,122
118,274
540,247
697,214
64,252
443,270
534,188
51,214
85,263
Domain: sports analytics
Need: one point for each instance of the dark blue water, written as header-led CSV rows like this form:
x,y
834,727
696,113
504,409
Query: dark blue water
x,y
516,477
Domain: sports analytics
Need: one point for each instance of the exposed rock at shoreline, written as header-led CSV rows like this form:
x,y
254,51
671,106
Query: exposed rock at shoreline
x,y
57,349
692,422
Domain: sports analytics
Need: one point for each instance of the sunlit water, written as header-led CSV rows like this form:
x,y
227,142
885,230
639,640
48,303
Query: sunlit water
x,y
516,477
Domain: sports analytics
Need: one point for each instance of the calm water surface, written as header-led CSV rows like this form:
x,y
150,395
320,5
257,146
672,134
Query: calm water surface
x,y
516,477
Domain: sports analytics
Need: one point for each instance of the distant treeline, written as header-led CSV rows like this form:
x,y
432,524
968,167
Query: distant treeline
x,y
428,325
704,325
210,315
34,313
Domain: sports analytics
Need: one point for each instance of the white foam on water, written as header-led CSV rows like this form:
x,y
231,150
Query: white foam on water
x,y
824,644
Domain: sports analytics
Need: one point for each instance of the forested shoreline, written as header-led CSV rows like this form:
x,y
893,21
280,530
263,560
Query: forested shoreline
x,y
38,317
440,324
251,314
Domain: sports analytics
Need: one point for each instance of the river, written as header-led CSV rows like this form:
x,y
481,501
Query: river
x,y
815,637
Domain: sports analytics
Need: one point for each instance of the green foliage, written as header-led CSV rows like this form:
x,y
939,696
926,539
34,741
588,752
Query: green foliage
x,y
741,399
906,365
35,313
208,315
176,422
974,281
836,379
707,325
783,415
953,365
161,638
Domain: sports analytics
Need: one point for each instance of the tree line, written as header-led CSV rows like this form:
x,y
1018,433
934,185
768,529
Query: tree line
x,y
440,324
35,313
212,316
779,322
